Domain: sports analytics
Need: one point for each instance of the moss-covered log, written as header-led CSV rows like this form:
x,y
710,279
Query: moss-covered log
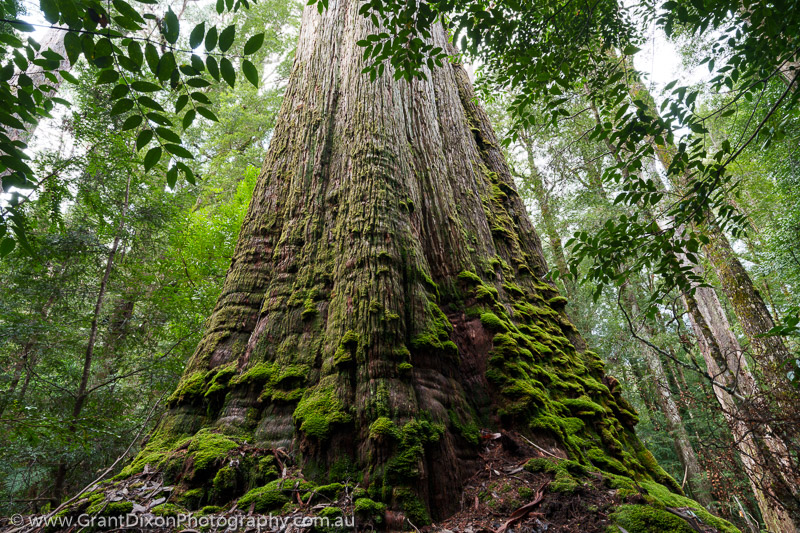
x,y
385,303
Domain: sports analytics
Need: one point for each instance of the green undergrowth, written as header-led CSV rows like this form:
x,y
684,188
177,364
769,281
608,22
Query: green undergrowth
x,y
367,508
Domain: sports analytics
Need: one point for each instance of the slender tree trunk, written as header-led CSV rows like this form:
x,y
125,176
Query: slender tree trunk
x,y
749,307
83,388
775,515
386,297
695,475
764,454
644,385
20,365
769,352
548,219
23,361
118,329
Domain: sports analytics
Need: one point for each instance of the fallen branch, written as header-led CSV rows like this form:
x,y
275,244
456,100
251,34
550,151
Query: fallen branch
x,y
692,520
538,447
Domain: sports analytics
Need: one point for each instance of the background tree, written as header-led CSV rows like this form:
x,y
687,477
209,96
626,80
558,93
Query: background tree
x,y
97,322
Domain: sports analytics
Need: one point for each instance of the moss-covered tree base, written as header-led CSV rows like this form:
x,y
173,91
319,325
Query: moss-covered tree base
x,y
570,496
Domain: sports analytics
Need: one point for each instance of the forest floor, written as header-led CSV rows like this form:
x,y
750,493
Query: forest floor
x,y
502,497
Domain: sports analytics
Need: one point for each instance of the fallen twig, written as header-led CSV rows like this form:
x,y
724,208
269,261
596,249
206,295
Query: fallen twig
x,y
523,511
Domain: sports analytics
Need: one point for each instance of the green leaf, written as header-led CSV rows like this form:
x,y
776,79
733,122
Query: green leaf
x,y
50,10
22,239
152,57
213,67
107,76
172,176
145,136
171,28
72,44
200,97
127,23
181,102
126,104
135,53
127,64
159,119
145,87
6,246
166,65
197,63
211,38
168,135
125,9
146,101
188,70
152,157
52,56
17,164
7,71
250,72
20,61
697,127
119,91
254,44
227,71
188,118
204,111
22,26
226,38
187,172
9,120
178,150
196,37
131,122
220,6
630,50
102,53
198,83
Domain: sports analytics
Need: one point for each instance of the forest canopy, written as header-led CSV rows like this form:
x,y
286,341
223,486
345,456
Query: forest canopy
x,y
132,137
